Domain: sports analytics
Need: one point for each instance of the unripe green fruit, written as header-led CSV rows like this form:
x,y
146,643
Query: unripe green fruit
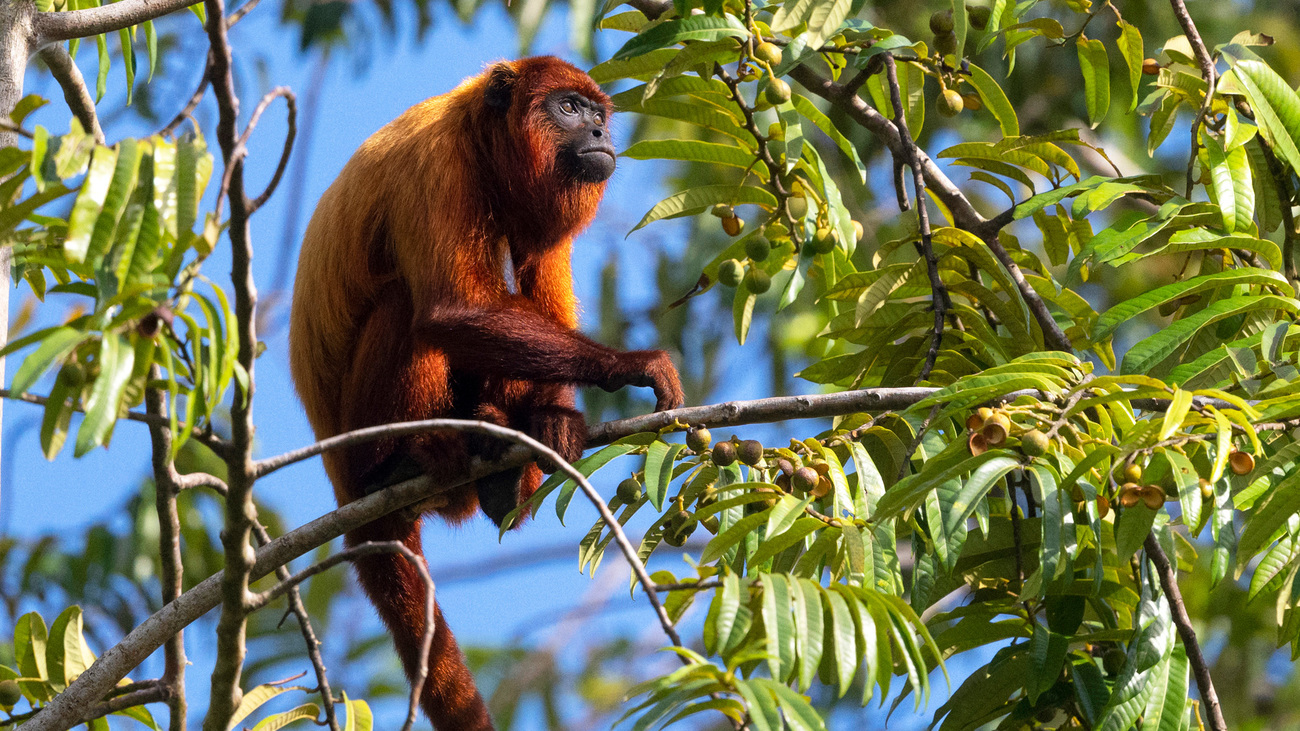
x,y
945,43
629,491
941,22
979,16
758,281
750,452
10,693
798,206
724,454
1034,443
698,439
710,523
758,247
721,210
679,528
823,241
778,92
731,272
1114,661
768,53
950,103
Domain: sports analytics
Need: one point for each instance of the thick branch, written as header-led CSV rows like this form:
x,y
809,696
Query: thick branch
x,y
68,24
1200,669
169,552
75,93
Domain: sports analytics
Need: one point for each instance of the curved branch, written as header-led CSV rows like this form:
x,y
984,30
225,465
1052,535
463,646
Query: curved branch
x,y
292,102
75,93
68,24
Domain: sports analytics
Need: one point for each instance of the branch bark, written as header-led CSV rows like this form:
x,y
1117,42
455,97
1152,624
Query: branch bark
x,y
169,552
1200,669
68,24
75,92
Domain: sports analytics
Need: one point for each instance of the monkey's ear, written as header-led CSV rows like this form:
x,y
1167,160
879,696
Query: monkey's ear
x,y
500,83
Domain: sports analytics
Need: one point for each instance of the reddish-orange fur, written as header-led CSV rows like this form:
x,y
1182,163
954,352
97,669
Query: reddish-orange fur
x,y
402,311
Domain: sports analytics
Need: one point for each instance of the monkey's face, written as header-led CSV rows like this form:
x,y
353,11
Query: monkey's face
x,y
586,150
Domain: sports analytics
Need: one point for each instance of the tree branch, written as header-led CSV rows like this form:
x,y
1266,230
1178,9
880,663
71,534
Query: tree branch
x,y
75,93
289,136
1200,669
1208,73
68,24
289,585
169,551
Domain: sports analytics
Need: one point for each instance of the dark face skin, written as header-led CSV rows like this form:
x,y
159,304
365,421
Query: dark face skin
x,y
586,147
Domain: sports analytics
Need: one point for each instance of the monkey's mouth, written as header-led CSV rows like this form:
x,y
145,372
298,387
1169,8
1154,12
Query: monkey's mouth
x,y
601,150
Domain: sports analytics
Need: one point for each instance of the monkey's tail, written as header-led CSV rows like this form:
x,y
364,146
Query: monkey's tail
x,y
450,697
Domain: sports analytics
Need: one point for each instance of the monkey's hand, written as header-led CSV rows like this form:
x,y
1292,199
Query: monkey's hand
x,y
653,369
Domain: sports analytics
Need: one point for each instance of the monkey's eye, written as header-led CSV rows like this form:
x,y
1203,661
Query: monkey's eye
x,y
568,107
600,118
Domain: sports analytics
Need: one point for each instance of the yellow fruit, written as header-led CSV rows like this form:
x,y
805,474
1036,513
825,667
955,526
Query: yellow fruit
x,y
950,103
1103,507
698,439
1151,67
1132,473
857,231
768,53
1207,489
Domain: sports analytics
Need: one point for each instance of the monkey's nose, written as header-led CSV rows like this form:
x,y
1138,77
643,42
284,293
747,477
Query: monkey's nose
x,y
596,133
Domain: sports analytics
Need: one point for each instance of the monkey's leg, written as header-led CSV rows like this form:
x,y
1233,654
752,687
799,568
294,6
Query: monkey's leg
x,y
449,697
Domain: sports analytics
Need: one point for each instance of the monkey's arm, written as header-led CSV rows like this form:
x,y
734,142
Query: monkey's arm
x,y
514,342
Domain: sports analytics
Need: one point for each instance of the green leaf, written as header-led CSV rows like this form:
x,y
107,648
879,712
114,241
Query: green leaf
x,y
995,100
697,200
809,632
1129,310
694,28
306,712
841,640
357,715
1269,516
57,416
89,203
824,19
691,151
731,536
659,461
116,358
1231,187
1095,66
54,348
1143,356
125,174
1275,103
640,67
779,625
1130,47
691,111
101,78
128,61
66,655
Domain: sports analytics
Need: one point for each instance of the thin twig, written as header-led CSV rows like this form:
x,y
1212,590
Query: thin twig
x,y
938,291
169,551
292,102
1200,669
289,585
193,102
1208,73
75,93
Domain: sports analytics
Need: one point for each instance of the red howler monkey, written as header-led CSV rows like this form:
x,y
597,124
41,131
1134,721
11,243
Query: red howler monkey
x,y
402,310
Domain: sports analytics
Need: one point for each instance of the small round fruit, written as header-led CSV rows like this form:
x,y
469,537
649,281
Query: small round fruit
x,y
950,103
972,102
1151,67
945,43
1130,495
778,92
783,482
758,281
733,225
708,496
629,491
1114,661
996,428
710,523
979,16
731,272
974,422
805,479
698,439
72,373
941,22
10,693
1103,507
984,413
798,206
768,53
823,241
1153,496
750,452
758,247
977,444
1034,443
858,231
1242,463
724,454
1207,489
1132,472
721,210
